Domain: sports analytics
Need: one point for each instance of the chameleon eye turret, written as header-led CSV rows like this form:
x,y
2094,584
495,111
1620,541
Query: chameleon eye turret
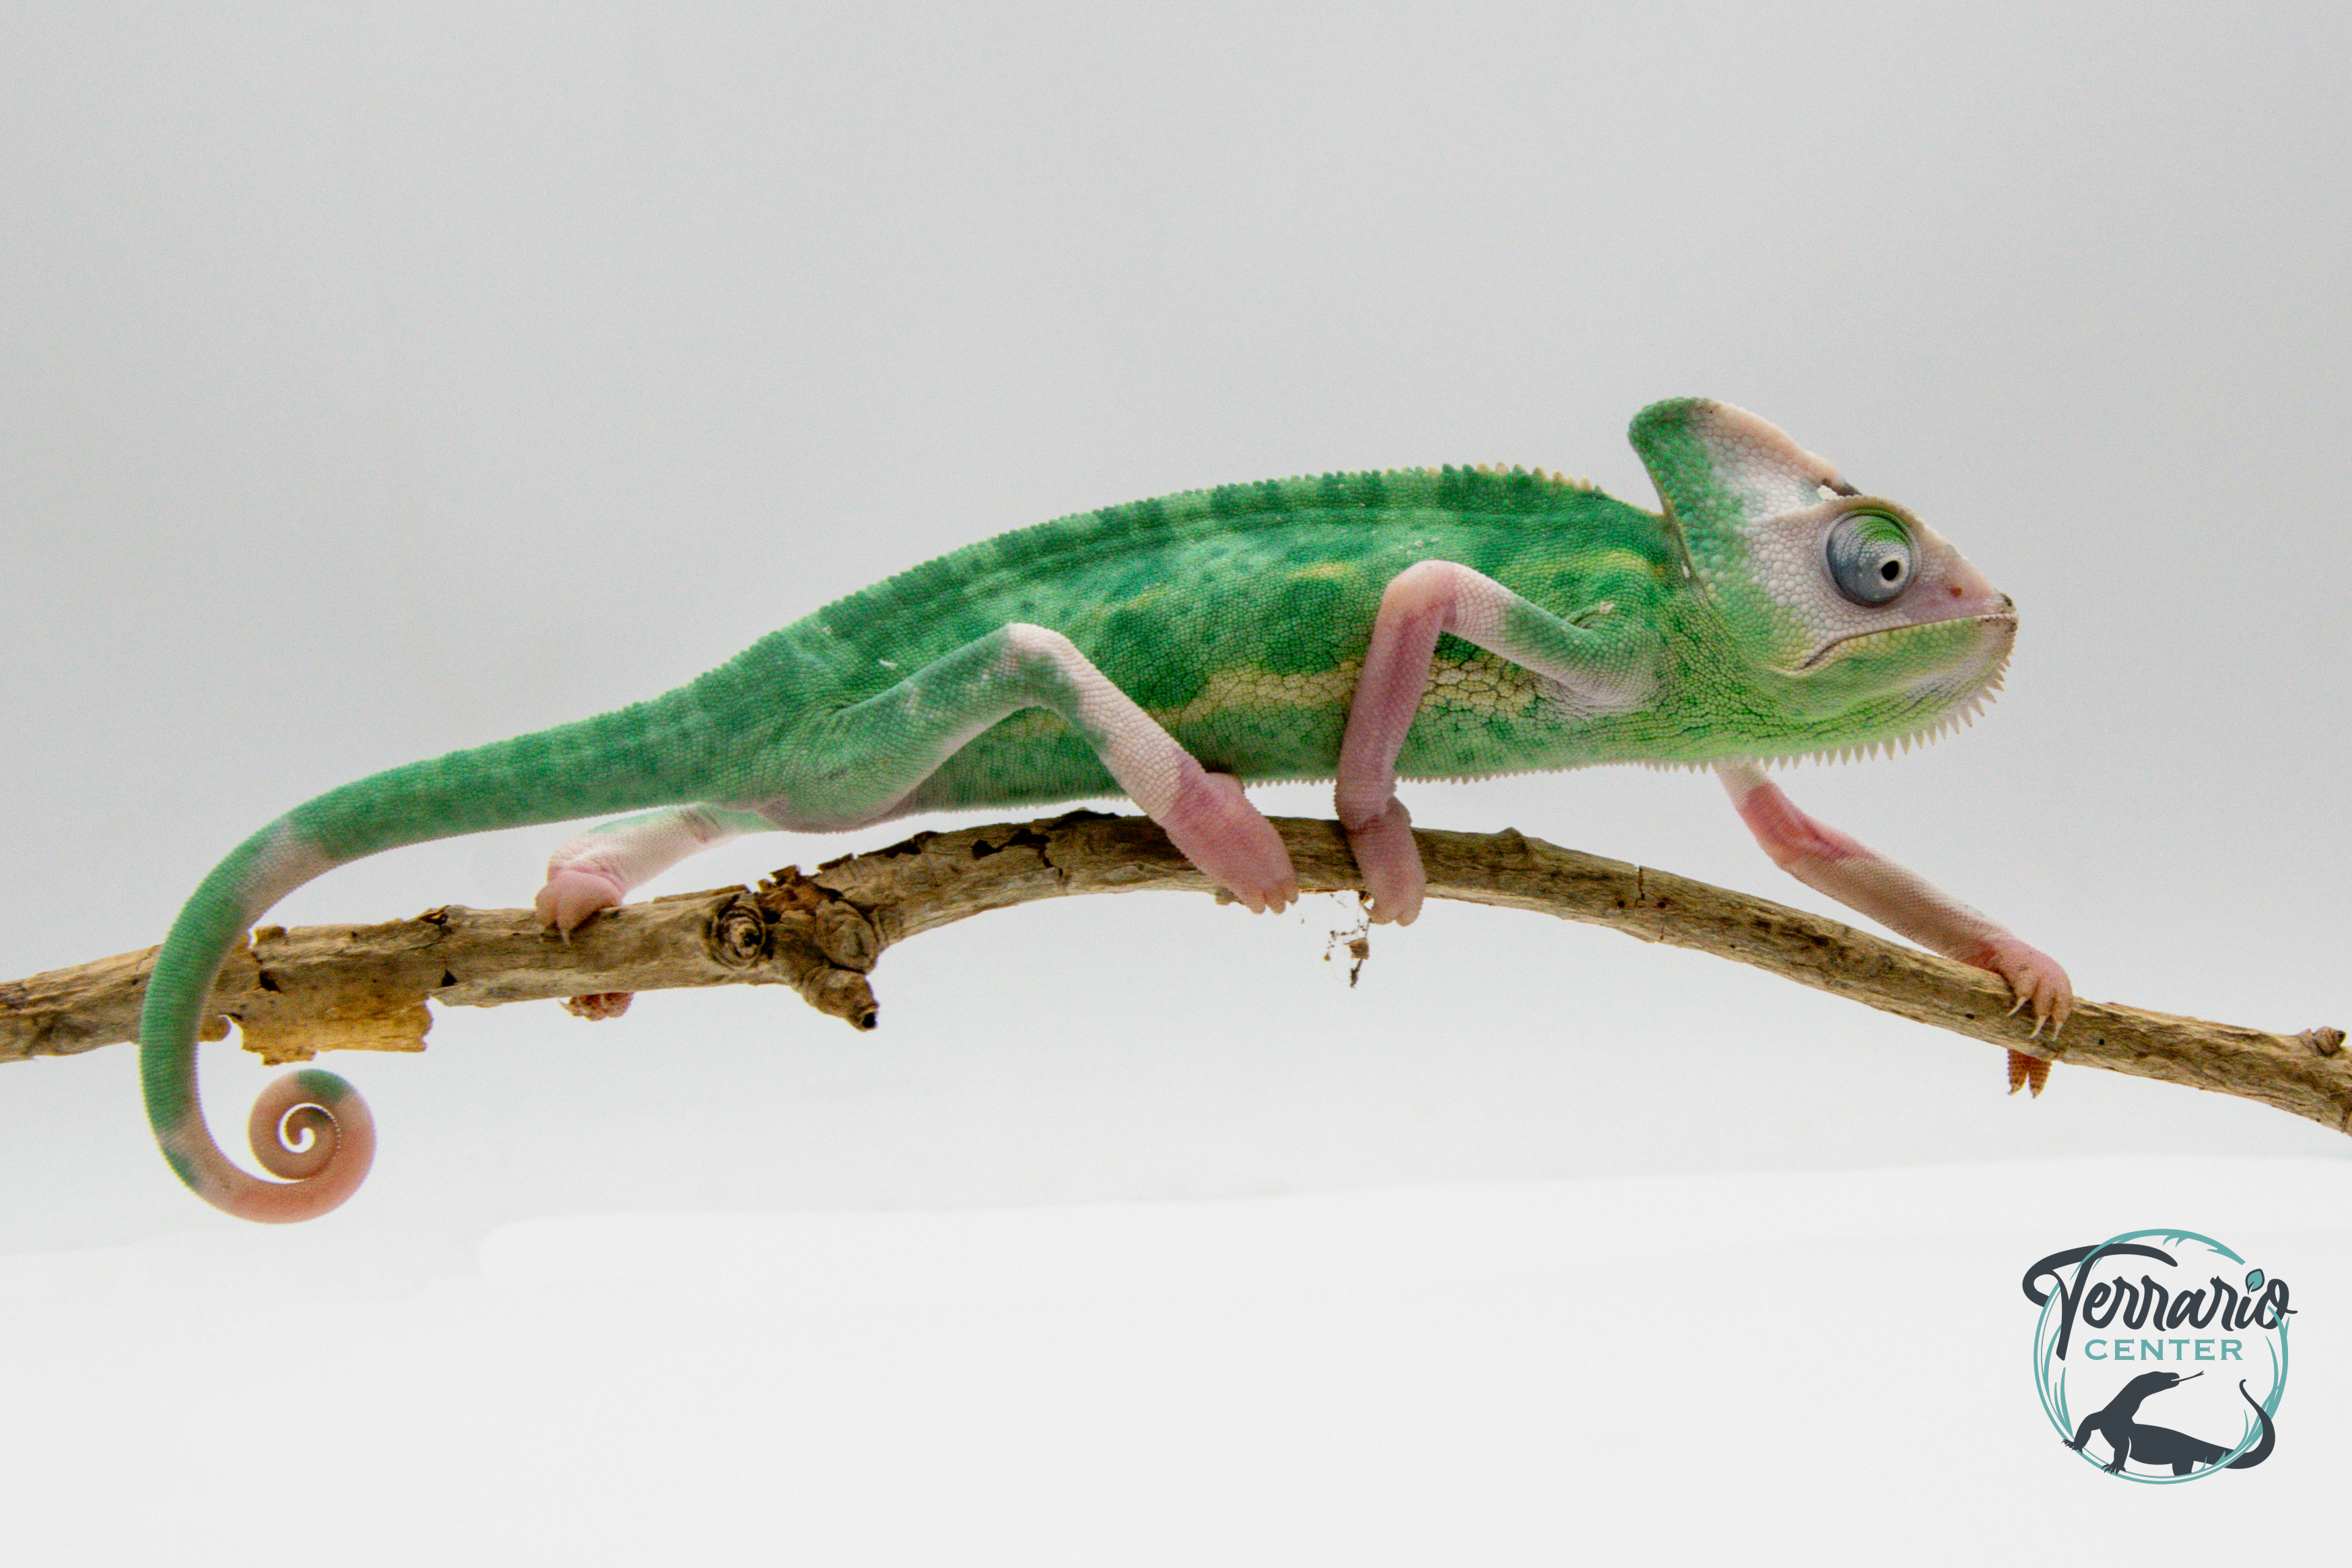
x,y
1870,557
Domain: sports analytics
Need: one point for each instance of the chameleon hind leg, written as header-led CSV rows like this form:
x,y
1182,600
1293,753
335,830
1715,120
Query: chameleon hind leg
x,y
1861,878
1589,669
596,870
860,764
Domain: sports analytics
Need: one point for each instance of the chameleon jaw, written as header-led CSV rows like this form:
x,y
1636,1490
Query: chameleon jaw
x,y
2004,620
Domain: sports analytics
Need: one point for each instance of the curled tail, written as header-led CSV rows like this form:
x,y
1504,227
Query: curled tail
x,y
310,1128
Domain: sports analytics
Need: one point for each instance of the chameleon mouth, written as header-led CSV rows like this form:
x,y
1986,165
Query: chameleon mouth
x,y
1939,705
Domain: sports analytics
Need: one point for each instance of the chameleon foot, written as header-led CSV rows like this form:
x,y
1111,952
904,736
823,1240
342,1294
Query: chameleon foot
x,y
1229,840
2038,981
2027,1072
1390,862
571,895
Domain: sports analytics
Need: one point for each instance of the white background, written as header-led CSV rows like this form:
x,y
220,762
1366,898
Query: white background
x,y
383,379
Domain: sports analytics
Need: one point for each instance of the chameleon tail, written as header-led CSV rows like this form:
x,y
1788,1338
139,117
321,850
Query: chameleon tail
x,y
310,1128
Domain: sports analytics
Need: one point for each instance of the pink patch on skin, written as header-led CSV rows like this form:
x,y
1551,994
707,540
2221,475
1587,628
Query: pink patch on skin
x,y
1205,814
1787,833
1421,603
307,1127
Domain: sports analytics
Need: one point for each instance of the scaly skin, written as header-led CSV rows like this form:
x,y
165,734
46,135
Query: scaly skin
x,y
1417,624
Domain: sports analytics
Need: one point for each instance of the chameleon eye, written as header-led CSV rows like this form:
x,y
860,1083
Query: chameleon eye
x,y
1870,557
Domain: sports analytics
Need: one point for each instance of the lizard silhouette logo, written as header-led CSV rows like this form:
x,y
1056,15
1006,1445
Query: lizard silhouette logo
x,y
2129,1328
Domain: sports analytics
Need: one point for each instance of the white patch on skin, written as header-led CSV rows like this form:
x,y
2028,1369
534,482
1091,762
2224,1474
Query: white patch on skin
x,y
1758,462
1939,689
636,850
284,864
1145,759
1582,704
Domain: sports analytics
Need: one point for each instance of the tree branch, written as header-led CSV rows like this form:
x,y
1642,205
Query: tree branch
x,y
342,987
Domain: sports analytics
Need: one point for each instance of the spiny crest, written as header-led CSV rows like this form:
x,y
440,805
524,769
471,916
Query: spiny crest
x,y
1553,478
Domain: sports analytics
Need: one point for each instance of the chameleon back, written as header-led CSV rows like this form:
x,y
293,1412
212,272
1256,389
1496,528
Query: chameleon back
x,y
1237,617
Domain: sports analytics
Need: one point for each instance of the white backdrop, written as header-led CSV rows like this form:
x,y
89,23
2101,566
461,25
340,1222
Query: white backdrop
x,y
384,379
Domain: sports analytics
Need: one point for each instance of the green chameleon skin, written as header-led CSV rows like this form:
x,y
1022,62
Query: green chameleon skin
x,y
1166,648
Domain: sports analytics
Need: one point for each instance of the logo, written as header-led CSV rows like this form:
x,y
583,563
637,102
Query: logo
x,y
2129,1330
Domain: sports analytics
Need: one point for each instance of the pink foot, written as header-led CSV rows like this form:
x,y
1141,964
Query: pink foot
x,y
574,894
2035,979
2038,981
1229,840
1390,862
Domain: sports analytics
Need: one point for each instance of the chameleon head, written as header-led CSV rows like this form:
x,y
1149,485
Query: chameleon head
x,y
1864,623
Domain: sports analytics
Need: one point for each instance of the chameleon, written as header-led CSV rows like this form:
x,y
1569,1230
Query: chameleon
x,y
1458,622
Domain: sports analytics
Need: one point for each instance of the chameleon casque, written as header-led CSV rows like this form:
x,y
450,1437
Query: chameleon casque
x,y
1449,622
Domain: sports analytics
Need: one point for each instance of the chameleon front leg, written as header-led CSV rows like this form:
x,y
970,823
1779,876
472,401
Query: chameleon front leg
x,y
596,870
1860,878
1429,599
860,763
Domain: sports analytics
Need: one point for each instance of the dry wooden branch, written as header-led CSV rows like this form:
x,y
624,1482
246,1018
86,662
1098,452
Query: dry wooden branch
x,y
339,987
